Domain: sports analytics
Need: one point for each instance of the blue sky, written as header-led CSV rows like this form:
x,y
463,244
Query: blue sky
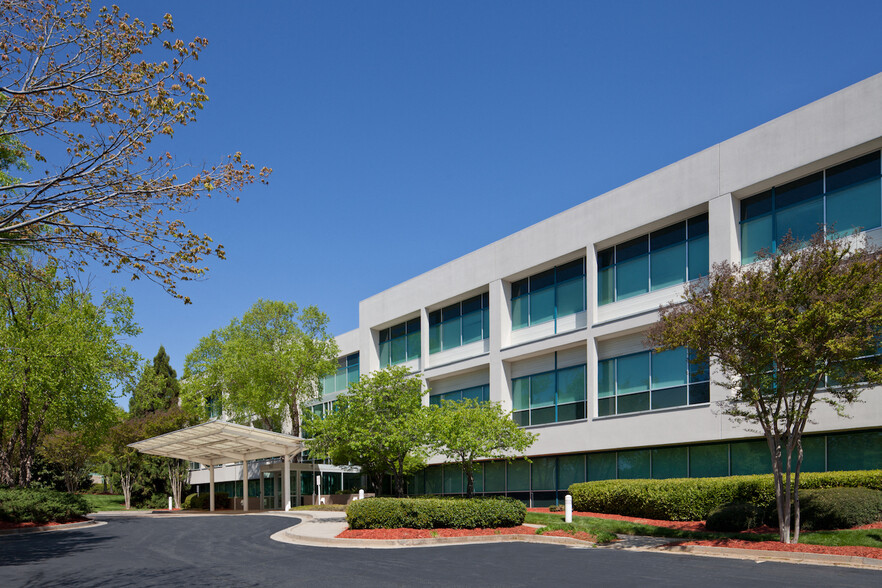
x,y
405,134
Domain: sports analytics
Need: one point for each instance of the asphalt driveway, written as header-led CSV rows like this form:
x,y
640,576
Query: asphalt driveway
x,y
237,551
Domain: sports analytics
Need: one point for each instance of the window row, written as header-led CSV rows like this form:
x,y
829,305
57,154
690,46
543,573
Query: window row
x,y
549,397
479,393
400,343
860,450
650,381
548,295
842,198
663,258
347,373
460,324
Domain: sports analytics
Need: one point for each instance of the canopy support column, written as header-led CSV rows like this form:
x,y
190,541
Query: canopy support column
x,y
286,483
211,486
244,484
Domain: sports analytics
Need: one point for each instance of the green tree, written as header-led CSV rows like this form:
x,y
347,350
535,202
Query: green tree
x,y
61,360
70,452
263,366
78,85
379,423
158,388
470,430
126,461
796,328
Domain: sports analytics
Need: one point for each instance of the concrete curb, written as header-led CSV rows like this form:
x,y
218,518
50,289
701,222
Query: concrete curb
x,y
781,556
49,528
294,535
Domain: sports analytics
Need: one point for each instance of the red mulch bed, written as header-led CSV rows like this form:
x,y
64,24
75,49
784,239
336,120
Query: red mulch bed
x,y
855,550
7,525
405,533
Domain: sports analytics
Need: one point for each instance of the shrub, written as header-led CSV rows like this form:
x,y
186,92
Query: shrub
x,y
433,513
836,508
221,500
685,499
735,517
19,505
195,501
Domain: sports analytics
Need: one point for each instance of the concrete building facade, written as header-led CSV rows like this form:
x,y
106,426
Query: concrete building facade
x,y
550,321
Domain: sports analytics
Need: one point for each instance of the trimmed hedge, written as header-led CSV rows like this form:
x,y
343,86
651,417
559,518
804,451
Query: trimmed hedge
x,y
194,501
21,505
836,508
692,499
203,501
435,513
735,517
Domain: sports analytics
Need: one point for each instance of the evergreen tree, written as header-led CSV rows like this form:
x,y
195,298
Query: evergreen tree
x,y
158,389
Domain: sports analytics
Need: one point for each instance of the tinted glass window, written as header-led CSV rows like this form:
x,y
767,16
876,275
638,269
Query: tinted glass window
x,y
756,205
541,280
471,305
697,226
398,330
850,172
434,317
569,270
413,325
449,312
799,190
519,288
667,236
633,248
605,258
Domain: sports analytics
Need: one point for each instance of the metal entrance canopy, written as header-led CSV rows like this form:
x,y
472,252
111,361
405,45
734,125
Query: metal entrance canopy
x,y
217,442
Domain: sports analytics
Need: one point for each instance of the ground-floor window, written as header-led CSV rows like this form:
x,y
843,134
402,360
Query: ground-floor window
x,y
545,481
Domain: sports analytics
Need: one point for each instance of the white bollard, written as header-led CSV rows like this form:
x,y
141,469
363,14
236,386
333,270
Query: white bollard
x,y
568,508
170,503
361,494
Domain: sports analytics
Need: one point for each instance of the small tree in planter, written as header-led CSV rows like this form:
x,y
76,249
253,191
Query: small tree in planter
x,y
470,430
796,328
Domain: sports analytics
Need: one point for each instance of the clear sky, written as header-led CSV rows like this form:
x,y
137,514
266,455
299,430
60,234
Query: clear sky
x,y
405,134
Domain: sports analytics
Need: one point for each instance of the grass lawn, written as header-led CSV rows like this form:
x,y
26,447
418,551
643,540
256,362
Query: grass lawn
x,y
107,502
866,537
329,507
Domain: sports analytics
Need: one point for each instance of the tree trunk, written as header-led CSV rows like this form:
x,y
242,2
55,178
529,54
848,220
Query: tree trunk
x,y
470,480
125,480
782,502
175,479
796,521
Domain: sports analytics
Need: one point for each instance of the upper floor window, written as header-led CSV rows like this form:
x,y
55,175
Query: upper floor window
x,y
549,397
459,324
400,343
347,373
663,258
557,292
650,381
842,198
479,393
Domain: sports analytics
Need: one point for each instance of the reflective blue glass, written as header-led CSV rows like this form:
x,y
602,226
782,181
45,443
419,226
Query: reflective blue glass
x,y
668,266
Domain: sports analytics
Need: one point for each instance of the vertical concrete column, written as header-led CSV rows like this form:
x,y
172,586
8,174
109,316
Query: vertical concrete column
x,y
591,376
424,339
724,217
424,346
286,482
211,487
724,234
500,337
244,484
